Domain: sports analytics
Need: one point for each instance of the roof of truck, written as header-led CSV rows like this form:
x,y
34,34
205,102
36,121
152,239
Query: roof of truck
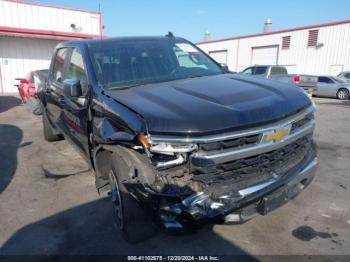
x,y
115,39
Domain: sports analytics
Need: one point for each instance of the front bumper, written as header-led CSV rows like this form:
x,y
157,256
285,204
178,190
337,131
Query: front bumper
x,y
277,197
178,214
243,173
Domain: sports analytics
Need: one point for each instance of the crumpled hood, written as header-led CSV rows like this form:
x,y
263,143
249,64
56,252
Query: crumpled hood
x,y
211,104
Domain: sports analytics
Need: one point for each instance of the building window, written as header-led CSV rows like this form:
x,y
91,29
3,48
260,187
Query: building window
x,y
286,42
313,37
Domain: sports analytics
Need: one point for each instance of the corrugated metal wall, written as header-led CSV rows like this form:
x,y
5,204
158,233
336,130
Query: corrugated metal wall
x,y
23,53
19,56
29,16
332,57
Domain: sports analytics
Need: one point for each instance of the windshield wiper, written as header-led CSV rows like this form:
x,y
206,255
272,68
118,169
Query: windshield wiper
x,y
195,76
155,82
123,87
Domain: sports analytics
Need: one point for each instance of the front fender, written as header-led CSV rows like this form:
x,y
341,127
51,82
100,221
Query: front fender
x,y
113,122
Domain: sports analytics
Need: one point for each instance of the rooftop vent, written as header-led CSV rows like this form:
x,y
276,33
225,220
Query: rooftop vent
x,y
267,25
207,36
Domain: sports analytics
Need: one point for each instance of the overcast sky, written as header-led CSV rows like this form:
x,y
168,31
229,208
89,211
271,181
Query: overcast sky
x,y
222,18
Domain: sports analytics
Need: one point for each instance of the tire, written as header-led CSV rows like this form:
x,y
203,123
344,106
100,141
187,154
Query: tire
x,y
49,133
133,222
343,94
35,106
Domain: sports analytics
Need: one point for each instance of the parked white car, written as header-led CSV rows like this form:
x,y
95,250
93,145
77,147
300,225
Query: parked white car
x,y
332,86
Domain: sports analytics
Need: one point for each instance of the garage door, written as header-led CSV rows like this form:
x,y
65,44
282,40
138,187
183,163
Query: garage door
x,y
265,55
219,56
19,56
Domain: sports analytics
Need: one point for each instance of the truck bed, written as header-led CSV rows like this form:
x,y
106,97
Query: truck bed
x,y
305,81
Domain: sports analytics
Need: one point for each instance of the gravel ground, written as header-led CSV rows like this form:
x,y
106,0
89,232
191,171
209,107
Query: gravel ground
x,y
48,203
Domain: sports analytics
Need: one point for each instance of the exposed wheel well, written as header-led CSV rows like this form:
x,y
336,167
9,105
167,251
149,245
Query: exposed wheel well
x,y
102,164
138,164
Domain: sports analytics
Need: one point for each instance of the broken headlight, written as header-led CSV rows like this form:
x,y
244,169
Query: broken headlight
x,y
167,153
171,149
166,148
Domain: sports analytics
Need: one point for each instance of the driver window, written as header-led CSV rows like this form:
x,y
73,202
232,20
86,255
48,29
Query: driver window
x,y
76,69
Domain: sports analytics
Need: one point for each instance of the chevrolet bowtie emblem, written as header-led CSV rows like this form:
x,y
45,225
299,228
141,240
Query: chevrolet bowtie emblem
x,y
278,134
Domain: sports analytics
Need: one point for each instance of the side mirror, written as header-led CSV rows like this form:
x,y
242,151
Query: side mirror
x,y
225,68
72,88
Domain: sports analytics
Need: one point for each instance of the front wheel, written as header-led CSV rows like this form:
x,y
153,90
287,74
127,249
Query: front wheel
x,y
343,94
132,221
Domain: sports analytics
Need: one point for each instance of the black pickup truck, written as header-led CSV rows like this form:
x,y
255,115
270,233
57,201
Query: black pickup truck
x,y
175,139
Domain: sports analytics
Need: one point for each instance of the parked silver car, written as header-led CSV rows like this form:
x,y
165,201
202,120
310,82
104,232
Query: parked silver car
x,y
332,86
345,75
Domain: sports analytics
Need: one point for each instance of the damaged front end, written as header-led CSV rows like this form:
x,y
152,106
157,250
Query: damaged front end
x,y
233,176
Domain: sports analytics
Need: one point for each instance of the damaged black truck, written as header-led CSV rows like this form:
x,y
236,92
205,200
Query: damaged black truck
x,y
173,137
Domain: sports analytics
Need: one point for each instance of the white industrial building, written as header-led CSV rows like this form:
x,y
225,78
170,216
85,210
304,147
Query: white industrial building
x,y
322,49
29,33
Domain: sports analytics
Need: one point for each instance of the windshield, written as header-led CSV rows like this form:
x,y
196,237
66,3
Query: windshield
x,y
123,63
339,79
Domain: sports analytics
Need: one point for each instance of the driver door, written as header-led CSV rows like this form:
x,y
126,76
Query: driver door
x,y
75,113
54,91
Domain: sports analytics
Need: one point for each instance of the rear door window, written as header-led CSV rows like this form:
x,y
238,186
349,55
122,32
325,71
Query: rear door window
x,y
58,66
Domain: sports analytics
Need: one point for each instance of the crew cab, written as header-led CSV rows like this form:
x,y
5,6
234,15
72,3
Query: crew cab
x,y
280,73
172,137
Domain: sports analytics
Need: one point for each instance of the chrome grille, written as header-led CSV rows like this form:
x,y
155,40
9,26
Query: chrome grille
x,y
231,144
302,122
259,167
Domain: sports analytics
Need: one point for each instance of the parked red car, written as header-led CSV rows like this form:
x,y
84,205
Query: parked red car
x,y
29,87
